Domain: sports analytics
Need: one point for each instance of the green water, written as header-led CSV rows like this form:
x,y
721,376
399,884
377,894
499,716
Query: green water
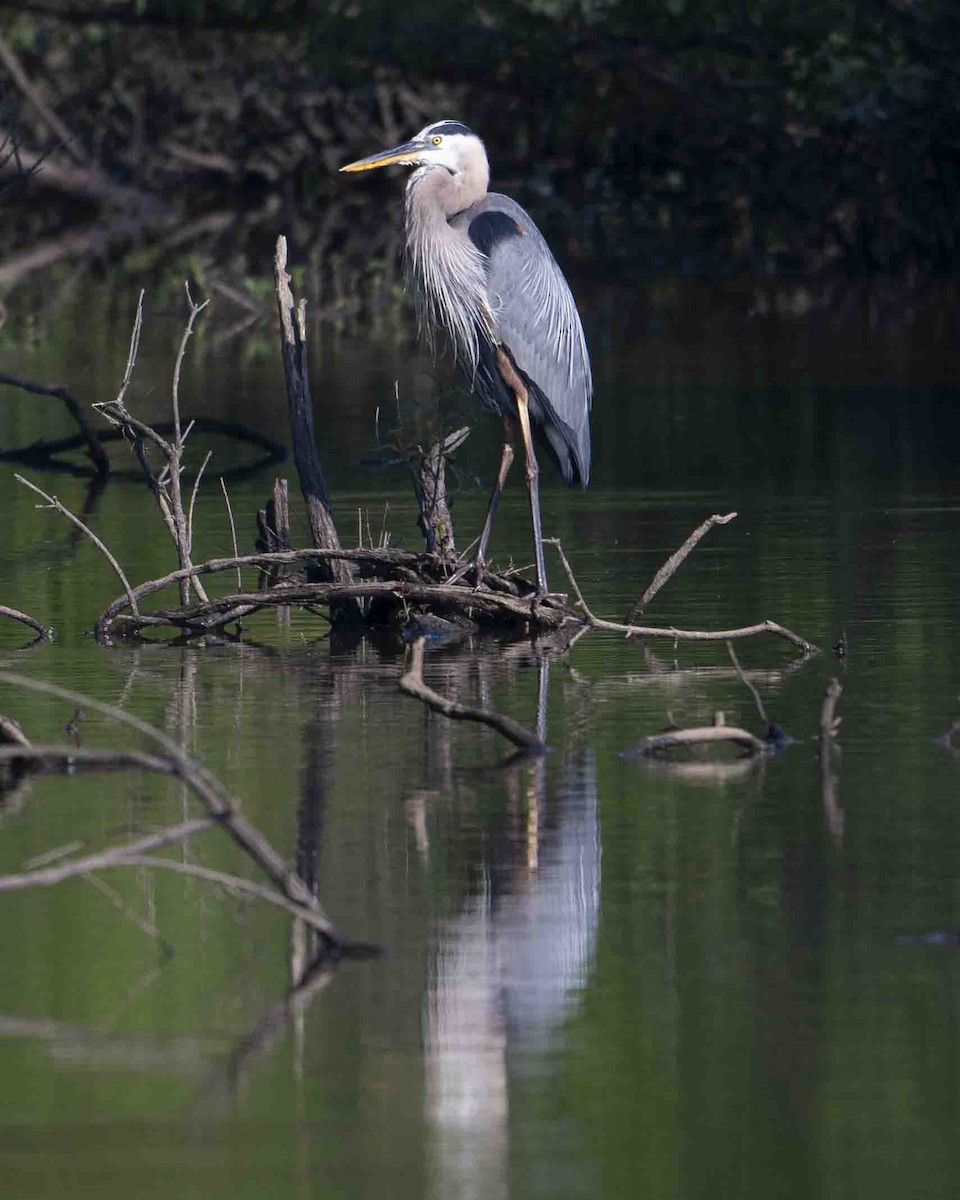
x,y
600,978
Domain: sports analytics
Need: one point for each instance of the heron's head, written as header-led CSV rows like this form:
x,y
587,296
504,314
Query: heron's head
x,y
447,144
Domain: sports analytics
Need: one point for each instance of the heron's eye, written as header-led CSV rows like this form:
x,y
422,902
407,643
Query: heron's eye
x,y
436,139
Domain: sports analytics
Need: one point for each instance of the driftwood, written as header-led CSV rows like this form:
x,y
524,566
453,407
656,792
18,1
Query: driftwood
x,y
220,808
706,735
669,568
411,682
41,630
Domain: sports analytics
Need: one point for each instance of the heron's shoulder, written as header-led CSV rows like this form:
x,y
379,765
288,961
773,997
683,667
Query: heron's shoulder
x,y
493,220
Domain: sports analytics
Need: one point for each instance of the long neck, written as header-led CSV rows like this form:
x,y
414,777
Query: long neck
x,y
443,266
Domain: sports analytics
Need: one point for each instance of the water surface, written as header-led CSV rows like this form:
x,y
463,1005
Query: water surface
x,y
599,976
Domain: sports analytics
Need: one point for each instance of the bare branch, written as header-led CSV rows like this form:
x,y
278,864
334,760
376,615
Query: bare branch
x,y
44,631
746,682
670,567
218,802
236,883
50,876
412,683
233,529
193,497
672,633
53,502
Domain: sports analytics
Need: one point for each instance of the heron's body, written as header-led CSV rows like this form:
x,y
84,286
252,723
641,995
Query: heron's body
x,y
482,272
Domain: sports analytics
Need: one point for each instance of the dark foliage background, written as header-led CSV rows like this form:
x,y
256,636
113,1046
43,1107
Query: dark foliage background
x,y
717,133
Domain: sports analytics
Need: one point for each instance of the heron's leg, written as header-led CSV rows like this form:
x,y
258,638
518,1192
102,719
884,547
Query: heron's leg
x,y
476,564
516,384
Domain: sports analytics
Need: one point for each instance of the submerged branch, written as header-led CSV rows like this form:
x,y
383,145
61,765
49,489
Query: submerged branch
x,y
43,631
704,735
412,683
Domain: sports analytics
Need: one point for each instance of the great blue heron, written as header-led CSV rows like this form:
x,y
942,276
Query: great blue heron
x,y
482,272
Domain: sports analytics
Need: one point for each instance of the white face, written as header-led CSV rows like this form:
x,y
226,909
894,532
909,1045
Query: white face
x,y
451,150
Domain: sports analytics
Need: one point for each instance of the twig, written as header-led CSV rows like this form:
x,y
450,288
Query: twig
x,y
193,497
218,802
670,567
95,449
412,683
171,508
236,883
50,876
132,352
53,502
233,530
44,631
672,633
195,310
174,462
146,927
746,682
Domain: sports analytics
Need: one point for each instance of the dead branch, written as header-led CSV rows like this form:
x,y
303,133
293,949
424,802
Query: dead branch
x,y
11,734
54,503
431,488
410,582
300,405
670,567
43,631
170,502
700,736
748,685
233,527
50,876
62,758
235,883
411,682
95,450
273,524
219,804
670,632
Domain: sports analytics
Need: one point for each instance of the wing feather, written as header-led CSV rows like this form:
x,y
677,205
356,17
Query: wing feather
x,y
536,319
